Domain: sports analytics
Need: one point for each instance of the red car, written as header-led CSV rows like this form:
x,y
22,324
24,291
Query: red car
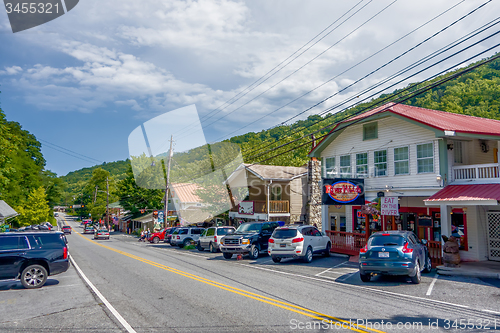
x,y
158,236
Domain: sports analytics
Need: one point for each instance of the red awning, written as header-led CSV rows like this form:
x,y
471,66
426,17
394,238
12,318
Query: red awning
x,y
487,194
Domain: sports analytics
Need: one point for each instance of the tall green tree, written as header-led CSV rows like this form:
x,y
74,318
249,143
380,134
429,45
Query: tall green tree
x,y
36,209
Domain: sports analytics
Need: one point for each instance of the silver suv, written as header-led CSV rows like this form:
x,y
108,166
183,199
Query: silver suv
x,y
298,241
182,237
210,238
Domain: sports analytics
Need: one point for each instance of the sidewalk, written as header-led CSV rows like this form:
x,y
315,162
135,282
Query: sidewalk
x,y
479,269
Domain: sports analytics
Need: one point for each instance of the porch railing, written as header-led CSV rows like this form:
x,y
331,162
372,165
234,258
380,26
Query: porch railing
x,y
476,171
435,253
275,206
346,242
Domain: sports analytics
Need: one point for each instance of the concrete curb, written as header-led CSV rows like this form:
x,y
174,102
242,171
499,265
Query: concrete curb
x,y
453,271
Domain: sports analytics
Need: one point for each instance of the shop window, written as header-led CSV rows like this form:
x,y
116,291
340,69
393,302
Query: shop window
x,y
374,222
361,165
459,230
401,161
380,157
370,131
330,170
345,166
425,158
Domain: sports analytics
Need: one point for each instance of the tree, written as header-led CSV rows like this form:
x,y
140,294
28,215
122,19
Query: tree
x,y
36,210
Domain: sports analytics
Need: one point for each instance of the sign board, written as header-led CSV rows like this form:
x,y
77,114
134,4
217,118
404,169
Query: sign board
x,y
389,206
77,206
160,216
246,207
343,191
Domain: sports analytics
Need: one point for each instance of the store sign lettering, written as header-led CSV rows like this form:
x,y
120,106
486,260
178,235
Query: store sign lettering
x,y
343,191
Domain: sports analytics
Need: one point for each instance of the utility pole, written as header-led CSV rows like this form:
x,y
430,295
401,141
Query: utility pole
x,y
171,152
107,203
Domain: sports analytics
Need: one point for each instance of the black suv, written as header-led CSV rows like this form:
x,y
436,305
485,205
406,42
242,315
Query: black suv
x,y
250,238
32,256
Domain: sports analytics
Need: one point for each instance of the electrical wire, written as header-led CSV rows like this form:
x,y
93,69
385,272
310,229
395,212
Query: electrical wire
x,y
70,152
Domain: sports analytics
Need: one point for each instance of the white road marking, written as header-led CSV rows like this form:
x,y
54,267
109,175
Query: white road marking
x,y
104,300
330,268
367,288
429,291
348,276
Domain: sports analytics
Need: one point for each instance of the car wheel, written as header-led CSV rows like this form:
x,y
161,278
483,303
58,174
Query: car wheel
x,y
365,277
186,242
156,240
227,255
213,249
276,259
33,276
327,250
428,264
198,246
254,252
417,277
309,255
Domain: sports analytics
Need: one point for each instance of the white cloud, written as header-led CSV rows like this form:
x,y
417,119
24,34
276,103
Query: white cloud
x,y
11,70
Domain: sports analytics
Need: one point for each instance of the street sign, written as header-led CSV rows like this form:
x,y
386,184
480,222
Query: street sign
x,y
77,206
160,217
389,206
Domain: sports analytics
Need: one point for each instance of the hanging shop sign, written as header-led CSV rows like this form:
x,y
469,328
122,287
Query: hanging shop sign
x,y
343,191
389,206
246,208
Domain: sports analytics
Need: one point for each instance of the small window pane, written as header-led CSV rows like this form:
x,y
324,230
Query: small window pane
x,y
380,158
425,158
330,167
370,131
401,166
345,166
362,164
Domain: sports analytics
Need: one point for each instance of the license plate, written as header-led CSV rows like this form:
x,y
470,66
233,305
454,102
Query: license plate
x,y
282,245
383,254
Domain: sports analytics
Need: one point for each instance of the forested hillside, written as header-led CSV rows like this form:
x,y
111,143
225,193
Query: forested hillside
x,y
23,177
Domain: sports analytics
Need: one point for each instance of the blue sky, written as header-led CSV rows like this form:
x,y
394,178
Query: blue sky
x,y
86,80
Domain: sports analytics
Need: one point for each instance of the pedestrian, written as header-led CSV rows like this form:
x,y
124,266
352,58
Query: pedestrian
x,y
149,234
143,235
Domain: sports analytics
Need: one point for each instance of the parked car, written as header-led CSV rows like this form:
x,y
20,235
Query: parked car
x,y
184,236
88,229
101,233
56,215
168,236
66,229
210,238
298,241
32,256
156,237
250,238
394,253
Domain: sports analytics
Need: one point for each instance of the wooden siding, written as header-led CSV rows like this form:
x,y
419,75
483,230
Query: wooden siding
x,y
298,195
392,133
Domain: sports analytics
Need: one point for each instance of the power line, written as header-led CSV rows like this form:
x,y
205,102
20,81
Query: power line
x,y
409,96
301,67
263,78
70,152
406,69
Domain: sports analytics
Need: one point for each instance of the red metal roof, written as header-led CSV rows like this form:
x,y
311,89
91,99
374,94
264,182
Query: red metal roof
x,y
445,121
186,192
476,192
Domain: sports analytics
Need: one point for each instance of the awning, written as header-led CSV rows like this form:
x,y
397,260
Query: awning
x,y
6,211
466,195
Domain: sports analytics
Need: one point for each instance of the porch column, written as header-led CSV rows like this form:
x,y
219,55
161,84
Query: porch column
x,y
324,218
445,211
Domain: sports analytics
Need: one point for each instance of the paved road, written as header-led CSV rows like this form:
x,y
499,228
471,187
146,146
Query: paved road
x,y
158,288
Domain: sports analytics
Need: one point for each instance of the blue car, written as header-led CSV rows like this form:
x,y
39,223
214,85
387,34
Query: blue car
x,y
394,253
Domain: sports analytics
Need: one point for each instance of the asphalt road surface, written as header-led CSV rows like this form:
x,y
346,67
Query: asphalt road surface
x,y
142,287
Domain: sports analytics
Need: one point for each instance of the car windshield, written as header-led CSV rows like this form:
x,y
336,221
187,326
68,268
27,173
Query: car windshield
x,y
284,233
182,232
392,240
250,227
103,230
224,231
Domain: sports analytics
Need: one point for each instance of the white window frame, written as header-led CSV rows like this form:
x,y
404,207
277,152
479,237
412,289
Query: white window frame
x,y
375,163
342,173
358,174
425,158
328,173
397,161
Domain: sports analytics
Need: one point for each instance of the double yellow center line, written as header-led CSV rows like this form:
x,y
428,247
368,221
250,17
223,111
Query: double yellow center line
x,y
284,305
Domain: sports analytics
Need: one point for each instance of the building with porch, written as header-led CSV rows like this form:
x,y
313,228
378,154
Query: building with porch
x,y
275,193
442,168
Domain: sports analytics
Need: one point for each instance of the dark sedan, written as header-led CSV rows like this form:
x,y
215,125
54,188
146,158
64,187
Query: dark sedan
x,y
394,253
